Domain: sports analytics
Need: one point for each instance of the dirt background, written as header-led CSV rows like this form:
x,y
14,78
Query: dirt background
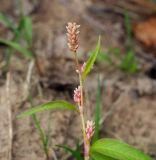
x,y
127,101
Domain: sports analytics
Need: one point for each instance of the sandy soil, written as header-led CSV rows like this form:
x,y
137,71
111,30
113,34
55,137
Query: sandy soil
x,y
127,101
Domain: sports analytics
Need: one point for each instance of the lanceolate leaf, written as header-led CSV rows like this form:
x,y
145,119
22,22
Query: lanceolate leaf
x,y
58,104
98,156
117,149
17,47
90,62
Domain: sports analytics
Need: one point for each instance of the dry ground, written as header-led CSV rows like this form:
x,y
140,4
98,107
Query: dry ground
x,y
127,101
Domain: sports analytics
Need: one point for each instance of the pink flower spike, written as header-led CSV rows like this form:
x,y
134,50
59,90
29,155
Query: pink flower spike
x,y
72,35
90,129
77,94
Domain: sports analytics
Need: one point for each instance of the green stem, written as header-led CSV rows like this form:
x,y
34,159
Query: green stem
x,y
40,130
81,109
76,62
42,135
20,6
86,143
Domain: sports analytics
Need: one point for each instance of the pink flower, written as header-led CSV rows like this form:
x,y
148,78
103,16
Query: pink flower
x,y
90,129
77,94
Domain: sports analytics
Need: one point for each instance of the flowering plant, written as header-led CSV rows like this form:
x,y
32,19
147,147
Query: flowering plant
x,y
102,149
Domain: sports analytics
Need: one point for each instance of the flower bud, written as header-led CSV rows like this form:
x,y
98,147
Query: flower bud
x,y
77,95
90,126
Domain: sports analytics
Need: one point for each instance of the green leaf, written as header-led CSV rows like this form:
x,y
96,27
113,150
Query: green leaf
x,y
98,156
117,149
58,104
91,60
75,153
97,112
17,47
25,25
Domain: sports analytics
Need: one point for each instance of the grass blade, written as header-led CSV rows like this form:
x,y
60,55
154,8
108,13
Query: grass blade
x,y
17,47
25,27
97,112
